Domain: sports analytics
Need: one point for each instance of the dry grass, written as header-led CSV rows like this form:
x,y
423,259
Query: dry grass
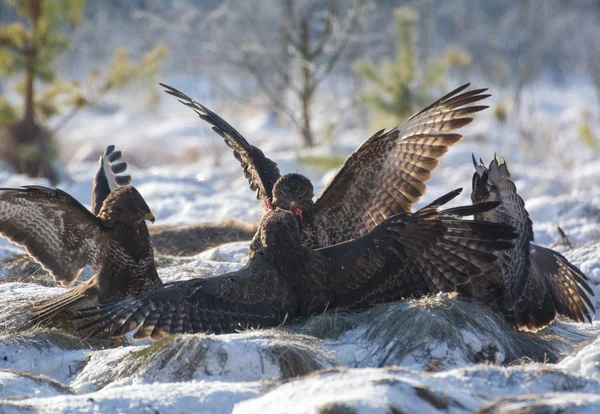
x,y
194,239
44,339
393,331
184,357
42,379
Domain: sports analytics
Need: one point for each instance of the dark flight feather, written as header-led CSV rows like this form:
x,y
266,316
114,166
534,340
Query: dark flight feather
x,y
64,237
407,255
260,171
385,176
530,284
57,231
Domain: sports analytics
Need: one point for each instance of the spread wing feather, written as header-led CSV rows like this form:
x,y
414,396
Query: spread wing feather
x,y
260,171
220,304
565,286
57,231
386,175
415,254
108,177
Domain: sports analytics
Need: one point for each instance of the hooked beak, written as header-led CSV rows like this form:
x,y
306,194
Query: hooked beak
x,y
150,217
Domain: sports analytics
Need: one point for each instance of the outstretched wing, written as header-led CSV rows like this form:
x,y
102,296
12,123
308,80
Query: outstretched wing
x,y
260,171
567,285
386,175
57,231
108,177
220,304
415,254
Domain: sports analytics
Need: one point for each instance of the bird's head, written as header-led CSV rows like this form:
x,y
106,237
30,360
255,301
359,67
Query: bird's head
x,y
294,193
488,183
125,205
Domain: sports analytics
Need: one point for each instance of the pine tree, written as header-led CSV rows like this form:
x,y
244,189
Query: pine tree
x,y
400,86
28,51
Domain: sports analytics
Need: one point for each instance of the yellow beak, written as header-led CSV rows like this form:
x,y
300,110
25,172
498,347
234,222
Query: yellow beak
x,y
150,217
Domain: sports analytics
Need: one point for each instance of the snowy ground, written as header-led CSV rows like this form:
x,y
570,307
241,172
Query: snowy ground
x,y
361,364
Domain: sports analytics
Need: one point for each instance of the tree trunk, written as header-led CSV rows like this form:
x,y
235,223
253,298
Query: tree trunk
x,y
29,99
35,12
306,129
306,94
27,145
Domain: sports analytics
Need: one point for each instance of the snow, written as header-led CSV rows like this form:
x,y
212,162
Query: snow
x,y
373,362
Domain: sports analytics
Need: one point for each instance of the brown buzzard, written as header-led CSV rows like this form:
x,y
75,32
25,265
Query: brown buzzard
x,y
530,284
64,237
386,175
406,255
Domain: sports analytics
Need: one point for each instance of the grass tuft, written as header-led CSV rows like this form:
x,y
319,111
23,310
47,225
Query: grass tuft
x,y
44,339
436,329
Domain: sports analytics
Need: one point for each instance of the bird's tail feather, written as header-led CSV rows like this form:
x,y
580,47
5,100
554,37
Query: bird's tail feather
x,y
46,311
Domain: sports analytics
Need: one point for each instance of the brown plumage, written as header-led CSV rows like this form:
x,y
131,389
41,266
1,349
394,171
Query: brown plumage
x,y
386,175
406,255
530,284
64,237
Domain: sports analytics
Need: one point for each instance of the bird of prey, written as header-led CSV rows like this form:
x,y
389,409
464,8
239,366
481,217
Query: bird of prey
x,y
530,284
409,254
386,175
64,237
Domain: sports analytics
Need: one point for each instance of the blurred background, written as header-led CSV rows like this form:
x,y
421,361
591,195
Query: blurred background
x,y
314,77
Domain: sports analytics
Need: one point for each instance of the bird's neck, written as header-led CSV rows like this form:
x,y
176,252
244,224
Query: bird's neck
x,y
134,239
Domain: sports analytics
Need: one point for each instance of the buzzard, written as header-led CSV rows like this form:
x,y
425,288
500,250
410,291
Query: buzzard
x,y
64,237
409,254
530,284
385,176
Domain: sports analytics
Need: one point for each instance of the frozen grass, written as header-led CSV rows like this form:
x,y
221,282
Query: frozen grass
x,y
44,339
253,356
435,333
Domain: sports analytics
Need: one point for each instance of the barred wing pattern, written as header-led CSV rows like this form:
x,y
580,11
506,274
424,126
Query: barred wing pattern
x,y
386,175
253,297
410,255
383,177
108,177
537,283
260,171
57,231
554,286
407,255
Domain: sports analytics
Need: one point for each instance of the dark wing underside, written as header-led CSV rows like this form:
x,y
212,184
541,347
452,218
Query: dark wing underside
x,y
108,177
415,254
252,297
57,231
567,285
386,175
260,171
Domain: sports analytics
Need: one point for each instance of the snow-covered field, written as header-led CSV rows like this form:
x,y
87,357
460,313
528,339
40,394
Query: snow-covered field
x,y
377,361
